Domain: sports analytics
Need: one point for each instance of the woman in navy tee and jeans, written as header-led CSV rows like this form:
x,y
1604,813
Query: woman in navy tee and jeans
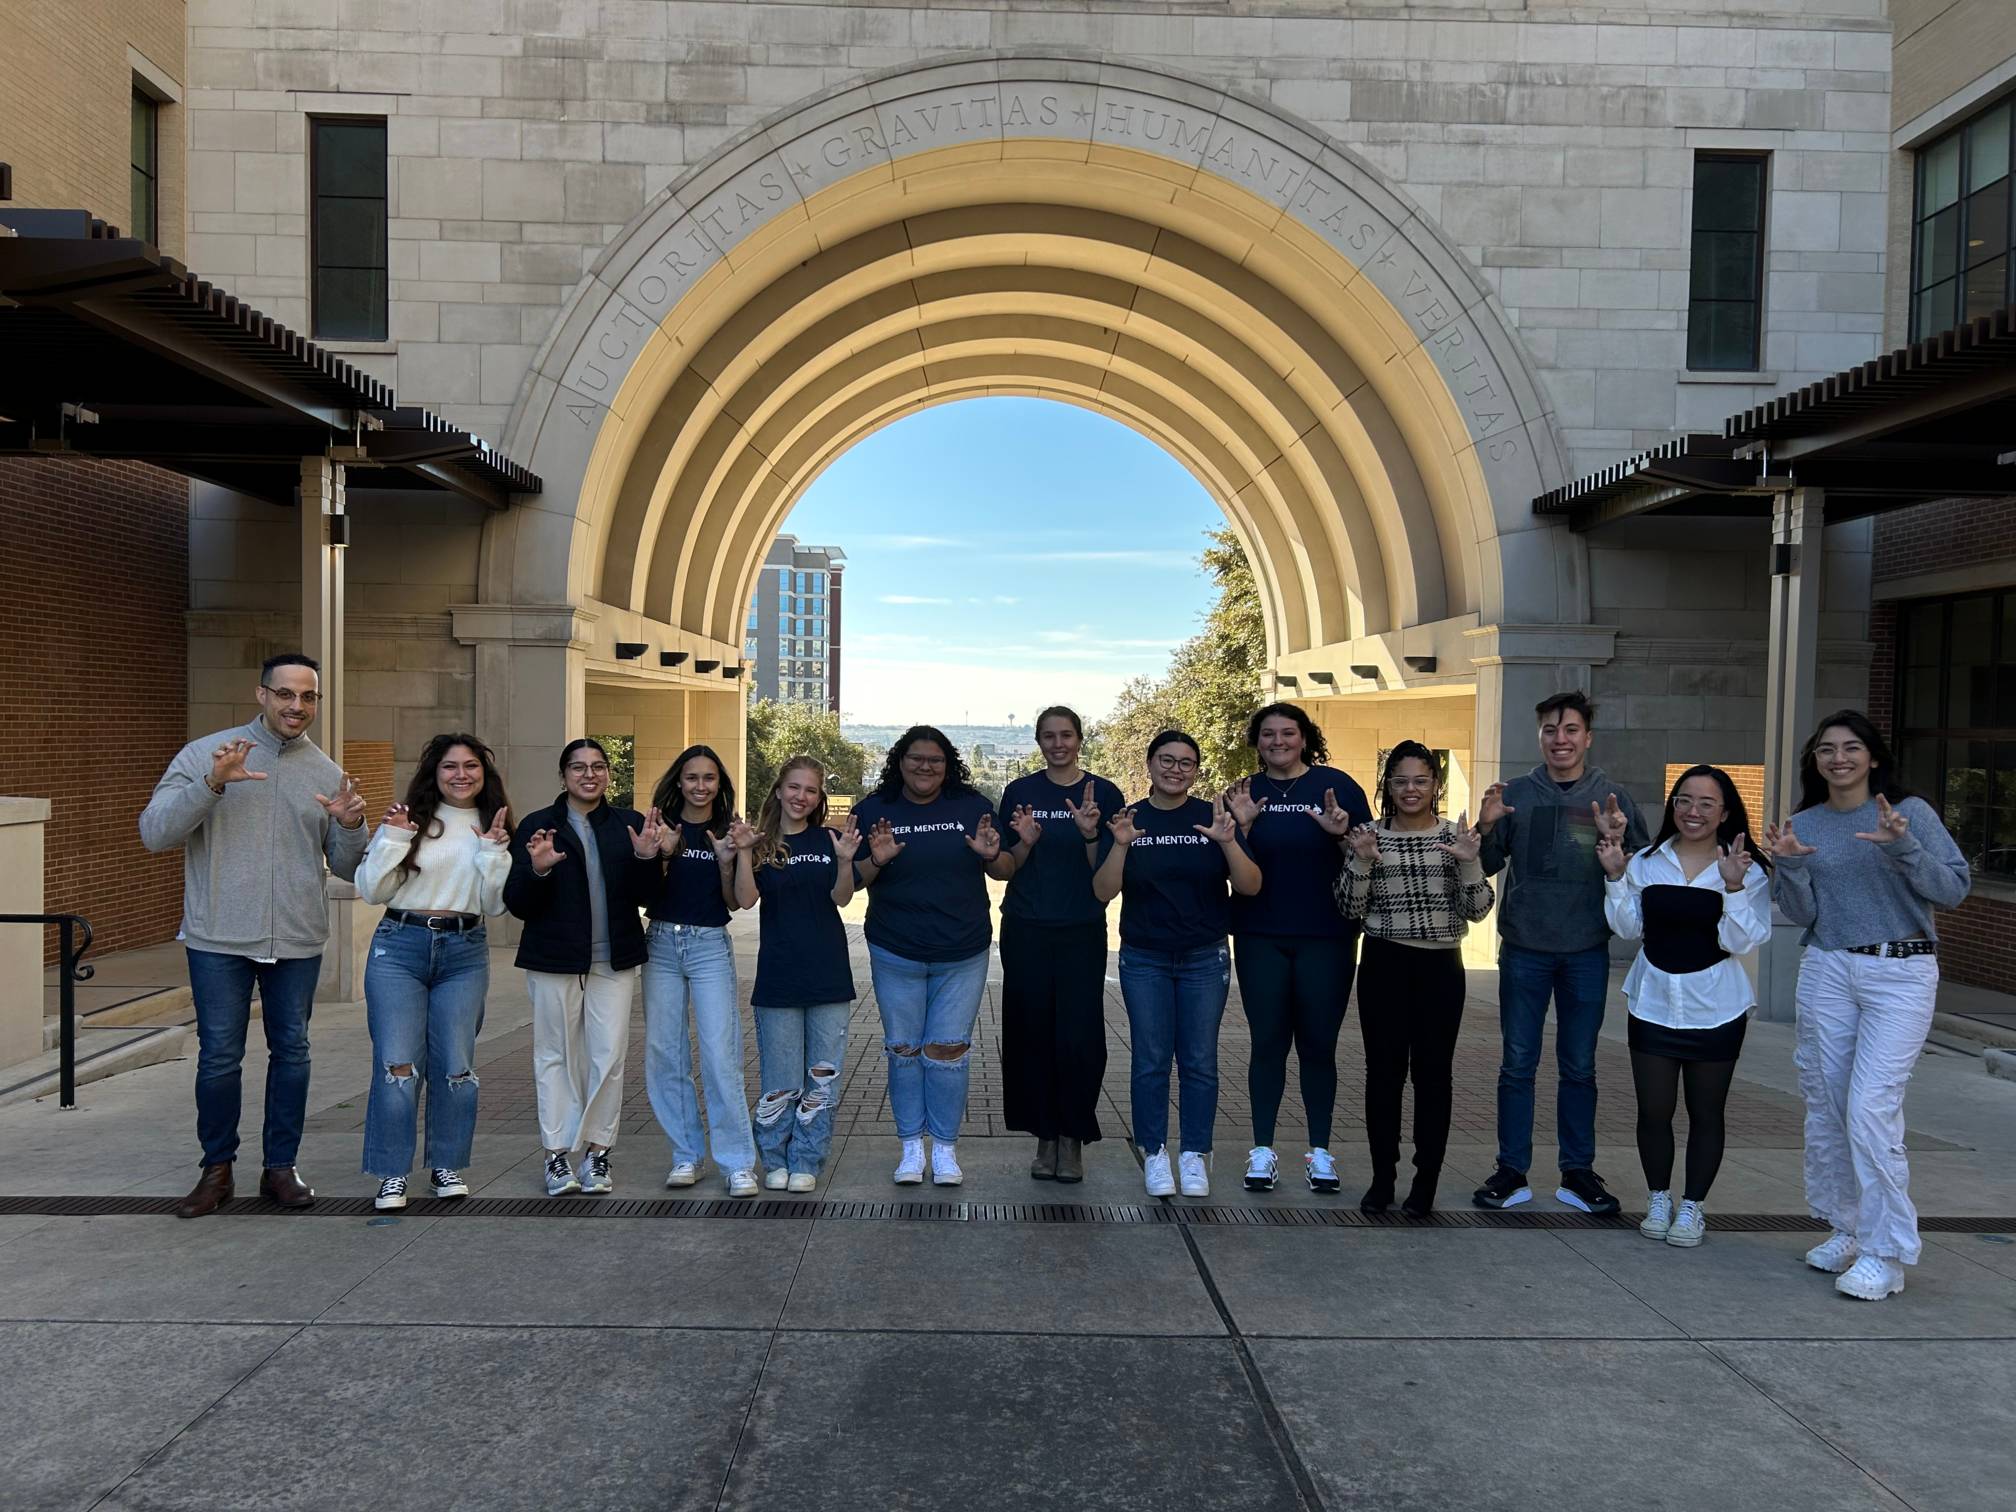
x,y
1172,857
803,874
931,846
1294,950
1053,950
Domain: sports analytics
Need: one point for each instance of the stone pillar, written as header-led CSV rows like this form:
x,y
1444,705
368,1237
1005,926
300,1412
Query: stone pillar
x,y
21,822
1798,569
719,720
322,510
531,689
1517,666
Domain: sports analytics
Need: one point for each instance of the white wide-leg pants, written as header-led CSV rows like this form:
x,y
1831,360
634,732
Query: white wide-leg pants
x,y
580,1033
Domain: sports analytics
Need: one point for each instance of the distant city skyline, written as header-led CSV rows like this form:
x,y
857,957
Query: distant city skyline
x,y
967,602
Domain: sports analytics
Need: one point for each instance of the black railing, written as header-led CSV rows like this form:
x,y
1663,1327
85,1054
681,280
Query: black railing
x,y
71,970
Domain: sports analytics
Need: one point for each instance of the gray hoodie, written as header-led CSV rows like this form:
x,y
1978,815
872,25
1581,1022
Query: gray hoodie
x,y
252,880
1555,898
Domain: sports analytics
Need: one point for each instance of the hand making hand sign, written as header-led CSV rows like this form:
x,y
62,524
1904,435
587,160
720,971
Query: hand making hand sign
x,y
1610,819
1124,830
883,846
227,765
1086,814
1467,841
741,836
846,840
499,832
1783,844
1028,828
1734,862
1334,818
650,841
985,841
1364,843
347,807
1244,806
1492,808
1890,824
1610,856
542,853
1223,828
397,817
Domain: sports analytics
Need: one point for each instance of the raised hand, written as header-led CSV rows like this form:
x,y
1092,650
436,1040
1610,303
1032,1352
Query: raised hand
x,y
1333,816
347,807
227,764
542,852
985,841
1890,825
499,832
883,846
1223,828
1733,861
650,841
1610,855
846,840
1466,842
1492,808
1610,819
1028,828
1125,833
1244,806
1085,815
1780,840
1364,843
396,817
742,836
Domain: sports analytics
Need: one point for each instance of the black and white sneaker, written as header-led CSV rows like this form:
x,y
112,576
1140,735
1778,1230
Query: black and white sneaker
x,y
1263,1166
595,1178
448,1183
560,1177
1506,1188
1585,1190
391,1193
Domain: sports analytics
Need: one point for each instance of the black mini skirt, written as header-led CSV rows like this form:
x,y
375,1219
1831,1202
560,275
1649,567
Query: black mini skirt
x,y
1722,1043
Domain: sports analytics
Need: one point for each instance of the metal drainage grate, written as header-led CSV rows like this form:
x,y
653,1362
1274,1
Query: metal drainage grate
x,y
1201,1216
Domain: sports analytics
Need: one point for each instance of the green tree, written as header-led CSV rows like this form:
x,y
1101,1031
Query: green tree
x,y
779,731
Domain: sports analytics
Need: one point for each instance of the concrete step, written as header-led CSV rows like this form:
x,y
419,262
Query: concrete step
x,y
170,1005
101,1052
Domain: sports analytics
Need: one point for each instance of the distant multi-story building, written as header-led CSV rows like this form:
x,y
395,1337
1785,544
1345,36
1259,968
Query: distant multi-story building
x,y
791,640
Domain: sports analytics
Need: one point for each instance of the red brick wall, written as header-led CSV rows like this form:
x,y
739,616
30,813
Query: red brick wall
x,y
1977,939
94,585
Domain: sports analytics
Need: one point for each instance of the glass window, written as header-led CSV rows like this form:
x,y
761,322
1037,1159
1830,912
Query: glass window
x,y
347,228
1957,719
145,210
1962,236
1725,297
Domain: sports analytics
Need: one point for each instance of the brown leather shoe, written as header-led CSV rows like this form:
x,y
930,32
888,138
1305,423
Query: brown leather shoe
x,y
285,1186
1070,1159
212,1191
1044,1166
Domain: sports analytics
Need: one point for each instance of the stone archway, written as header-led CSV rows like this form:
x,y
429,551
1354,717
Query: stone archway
x,y
1196,266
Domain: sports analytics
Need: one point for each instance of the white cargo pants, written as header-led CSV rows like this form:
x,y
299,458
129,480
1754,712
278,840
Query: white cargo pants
x,y
1862,1024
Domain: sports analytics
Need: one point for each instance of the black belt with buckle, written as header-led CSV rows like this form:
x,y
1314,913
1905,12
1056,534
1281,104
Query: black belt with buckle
x,y
1897,950
439,923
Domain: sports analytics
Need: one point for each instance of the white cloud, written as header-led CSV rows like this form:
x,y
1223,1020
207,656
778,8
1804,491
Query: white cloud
x,y
879,690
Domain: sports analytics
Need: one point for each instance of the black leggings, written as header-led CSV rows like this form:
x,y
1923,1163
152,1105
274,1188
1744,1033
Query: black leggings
x,y
1053,1027
1294,989
1410,1007
1658,1079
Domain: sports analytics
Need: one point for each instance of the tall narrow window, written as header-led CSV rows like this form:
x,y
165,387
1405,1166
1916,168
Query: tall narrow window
x,y
1962,233
348,234
1725,296
144,214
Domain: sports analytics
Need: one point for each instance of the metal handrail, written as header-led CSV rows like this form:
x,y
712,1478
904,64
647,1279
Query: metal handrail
x,y
71,970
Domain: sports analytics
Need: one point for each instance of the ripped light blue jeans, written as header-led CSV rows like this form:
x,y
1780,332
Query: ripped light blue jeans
x,y
799,1053
926,1004
423,999
690,974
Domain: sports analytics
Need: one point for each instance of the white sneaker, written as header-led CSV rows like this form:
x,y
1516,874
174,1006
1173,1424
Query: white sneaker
x,y
945,1165
1155,1172
777,1180
1689,1225
686,1173
1658,1215
741,1183
1262,1166
1322,1171
802,1181
1196,1173
1836,1255
391,1193
1871,1278
910,1169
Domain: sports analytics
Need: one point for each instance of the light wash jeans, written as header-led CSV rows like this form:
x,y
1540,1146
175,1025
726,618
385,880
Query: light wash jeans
x,y
799,1053
1862,1025
423,998
927,1003
691,969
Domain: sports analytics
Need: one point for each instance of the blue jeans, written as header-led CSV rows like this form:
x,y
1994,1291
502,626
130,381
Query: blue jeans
x,y
799,1053
1175,1000
927,1003
1578,981
222,986
692,967
423,998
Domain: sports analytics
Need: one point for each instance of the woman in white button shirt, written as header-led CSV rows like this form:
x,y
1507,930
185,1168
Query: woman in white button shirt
x,y
1698,897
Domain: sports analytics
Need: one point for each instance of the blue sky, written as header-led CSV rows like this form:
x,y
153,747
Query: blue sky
x,y
1004,554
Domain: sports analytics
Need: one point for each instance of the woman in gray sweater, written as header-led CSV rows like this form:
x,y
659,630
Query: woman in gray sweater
x,y
1862,865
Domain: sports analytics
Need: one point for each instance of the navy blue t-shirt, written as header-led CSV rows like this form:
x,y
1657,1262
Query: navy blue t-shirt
x,y
1054,884
692,890
801,945
1299,859
1173,893
930,903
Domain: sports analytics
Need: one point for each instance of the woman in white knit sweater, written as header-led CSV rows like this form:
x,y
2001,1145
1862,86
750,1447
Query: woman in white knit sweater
x,y
1413,877
438,861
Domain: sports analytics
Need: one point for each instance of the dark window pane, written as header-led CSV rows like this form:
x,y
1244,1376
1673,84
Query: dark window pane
x,y
143,132
1967,703
1724,265
1728,193
1988,148
1924,634
1918,758
1935,311
350,304
141,210
349,224
350,233
1988,223
1966,800
1722,337
1939,175
2005,667
1987,289
350,158
1939,246
2001,853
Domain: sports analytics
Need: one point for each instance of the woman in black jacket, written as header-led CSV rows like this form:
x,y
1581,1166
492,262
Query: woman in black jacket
x,y
579,871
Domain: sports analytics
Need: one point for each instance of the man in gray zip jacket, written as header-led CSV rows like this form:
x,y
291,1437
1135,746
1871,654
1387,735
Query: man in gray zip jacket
x,y
257,811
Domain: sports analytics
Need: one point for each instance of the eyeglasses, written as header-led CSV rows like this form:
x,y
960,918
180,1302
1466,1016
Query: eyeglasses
x,y
288,696
1177,763
927,762
1685,805
587,769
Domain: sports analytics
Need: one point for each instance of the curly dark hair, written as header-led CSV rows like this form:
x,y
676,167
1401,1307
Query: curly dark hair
x,y
423,793
958,778
1408,750
1315,749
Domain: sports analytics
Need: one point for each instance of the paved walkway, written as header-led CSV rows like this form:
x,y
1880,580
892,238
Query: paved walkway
x,y
837,1354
